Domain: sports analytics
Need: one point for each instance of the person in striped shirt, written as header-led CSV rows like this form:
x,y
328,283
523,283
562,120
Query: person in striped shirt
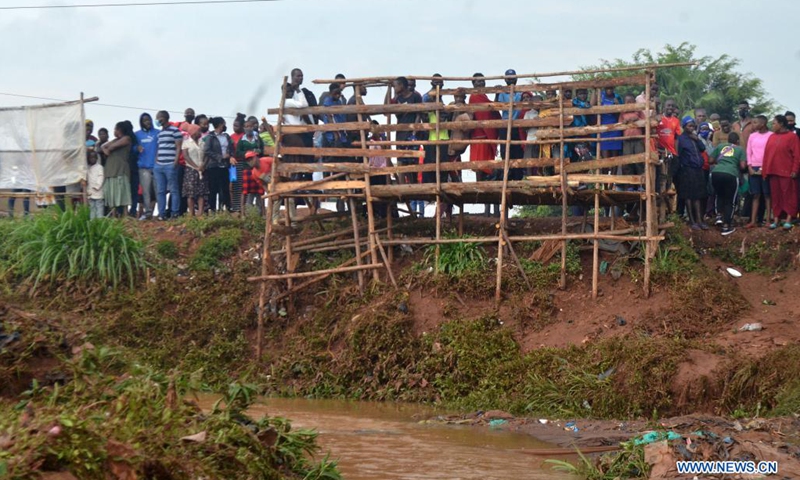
x,y
170,141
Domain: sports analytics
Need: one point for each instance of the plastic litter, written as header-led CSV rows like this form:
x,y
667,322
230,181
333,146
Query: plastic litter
x,y
543,421
497,422
606,374
733,272
571,427
652,437
751,327
603,267
621,321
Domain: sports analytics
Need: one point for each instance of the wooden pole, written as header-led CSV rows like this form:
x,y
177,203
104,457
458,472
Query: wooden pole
x,y
288,248
651,220
438,180
502,225
84,187
290,276
368,193
562,283
266,257
389,225
304,185
357,237
596,246
385,260
516,260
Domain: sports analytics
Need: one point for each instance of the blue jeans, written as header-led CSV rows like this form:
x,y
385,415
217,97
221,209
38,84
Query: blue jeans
x,y
167,179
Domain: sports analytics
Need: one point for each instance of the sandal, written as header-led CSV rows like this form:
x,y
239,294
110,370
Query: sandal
x,y
773,226
787,226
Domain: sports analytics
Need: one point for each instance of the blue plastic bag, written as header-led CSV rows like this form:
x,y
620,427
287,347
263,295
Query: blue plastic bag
x,y
232,173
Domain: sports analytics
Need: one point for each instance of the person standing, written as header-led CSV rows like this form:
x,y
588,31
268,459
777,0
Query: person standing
x,y
310,101
690,178
728,160
759,185
443,135
404,95
781,166
516,149
116,186
188,115
721,135
482,152
218,149
610,148
165,171
745,125
195,182
236,184
94,187
250,142
147,140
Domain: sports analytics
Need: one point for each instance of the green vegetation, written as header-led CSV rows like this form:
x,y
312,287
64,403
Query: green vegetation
x,y
167,249
758,257
67,246
714,83
214,249
456,259
627,463
116,417
538,211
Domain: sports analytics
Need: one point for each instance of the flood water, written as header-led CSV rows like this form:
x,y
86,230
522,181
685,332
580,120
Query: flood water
x,y
386,441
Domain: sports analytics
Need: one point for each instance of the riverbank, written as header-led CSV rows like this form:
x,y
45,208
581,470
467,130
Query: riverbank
x,y
545,353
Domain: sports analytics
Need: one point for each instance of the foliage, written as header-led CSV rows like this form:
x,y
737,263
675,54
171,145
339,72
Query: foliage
x,y
167,249
627,463
128,419
204,224
714,83
64,246
456,259
214,249
538,211
757,257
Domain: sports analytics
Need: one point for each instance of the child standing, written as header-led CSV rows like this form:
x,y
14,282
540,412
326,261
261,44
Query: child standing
x,y
94,187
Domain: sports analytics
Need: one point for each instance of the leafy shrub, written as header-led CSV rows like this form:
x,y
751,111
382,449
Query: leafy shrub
x,y
70,246
458,258
167,249
215,248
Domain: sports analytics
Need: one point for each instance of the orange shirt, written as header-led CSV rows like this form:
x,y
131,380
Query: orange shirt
x,y
668,130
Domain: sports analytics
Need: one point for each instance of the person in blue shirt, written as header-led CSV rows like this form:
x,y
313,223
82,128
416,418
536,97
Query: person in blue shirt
x,y
147,138
334,139
517,151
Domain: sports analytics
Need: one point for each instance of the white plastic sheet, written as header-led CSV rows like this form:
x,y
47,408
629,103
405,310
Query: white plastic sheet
x,y
42,147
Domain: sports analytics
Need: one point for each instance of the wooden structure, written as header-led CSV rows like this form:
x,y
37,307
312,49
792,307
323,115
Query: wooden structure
x,y
587,183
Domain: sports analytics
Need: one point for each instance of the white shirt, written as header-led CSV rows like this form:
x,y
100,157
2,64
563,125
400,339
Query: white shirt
x,y
193,151
529,115
223,143
298,100
94,182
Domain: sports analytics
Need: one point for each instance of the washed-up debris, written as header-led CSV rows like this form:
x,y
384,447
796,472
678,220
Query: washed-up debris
x,y
733,272
571,427
751,327
651,437
497,422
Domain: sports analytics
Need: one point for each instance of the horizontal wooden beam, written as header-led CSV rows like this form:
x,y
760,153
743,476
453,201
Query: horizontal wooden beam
x,y
610,162
360,168
287,276
632,68
344,152
282,187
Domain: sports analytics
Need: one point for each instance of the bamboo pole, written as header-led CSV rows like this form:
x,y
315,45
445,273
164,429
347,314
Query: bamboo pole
x,y
389,79
649,170
596,246
564,201
291,276
381,109
303,186
266,257
438,181
516,260
368,194
502,224
385,260
357,240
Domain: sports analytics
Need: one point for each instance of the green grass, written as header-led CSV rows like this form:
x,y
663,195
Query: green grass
x,y
456,259
66,246
167,249
216,248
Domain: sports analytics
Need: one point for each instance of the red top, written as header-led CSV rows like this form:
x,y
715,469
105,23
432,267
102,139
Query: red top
x,y
236,137
782,155
488,133
668,130
180,126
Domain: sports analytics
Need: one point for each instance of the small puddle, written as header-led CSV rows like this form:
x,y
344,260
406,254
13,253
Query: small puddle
x,y
386,441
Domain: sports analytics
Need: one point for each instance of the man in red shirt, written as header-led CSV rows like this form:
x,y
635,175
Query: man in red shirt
x,y
669,127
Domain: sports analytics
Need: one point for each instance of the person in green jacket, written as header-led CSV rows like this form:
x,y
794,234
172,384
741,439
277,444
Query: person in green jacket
x,y
250,142
728,160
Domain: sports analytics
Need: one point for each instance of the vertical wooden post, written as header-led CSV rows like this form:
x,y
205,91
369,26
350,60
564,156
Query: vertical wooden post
x,y
502,225
461,219
357,238
288,247
649,168
84,188
596,245
266,257
564,202
389,225
368,193
438,181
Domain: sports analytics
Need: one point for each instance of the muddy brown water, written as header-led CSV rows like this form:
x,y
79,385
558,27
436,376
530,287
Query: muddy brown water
x,y
375,441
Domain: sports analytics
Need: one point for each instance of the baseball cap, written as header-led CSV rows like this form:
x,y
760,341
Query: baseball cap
x,y
251,154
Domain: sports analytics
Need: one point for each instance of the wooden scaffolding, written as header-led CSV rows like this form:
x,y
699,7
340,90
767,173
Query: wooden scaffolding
x,y
579,183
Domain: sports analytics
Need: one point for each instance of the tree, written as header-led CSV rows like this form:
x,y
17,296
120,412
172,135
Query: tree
x,y
713,83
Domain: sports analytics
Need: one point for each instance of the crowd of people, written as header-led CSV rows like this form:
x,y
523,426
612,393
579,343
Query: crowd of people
x,y
195,166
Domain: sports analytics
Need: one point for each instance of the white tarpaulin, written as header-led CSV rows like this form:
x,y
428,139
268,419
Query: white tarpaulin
x,y
42,146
